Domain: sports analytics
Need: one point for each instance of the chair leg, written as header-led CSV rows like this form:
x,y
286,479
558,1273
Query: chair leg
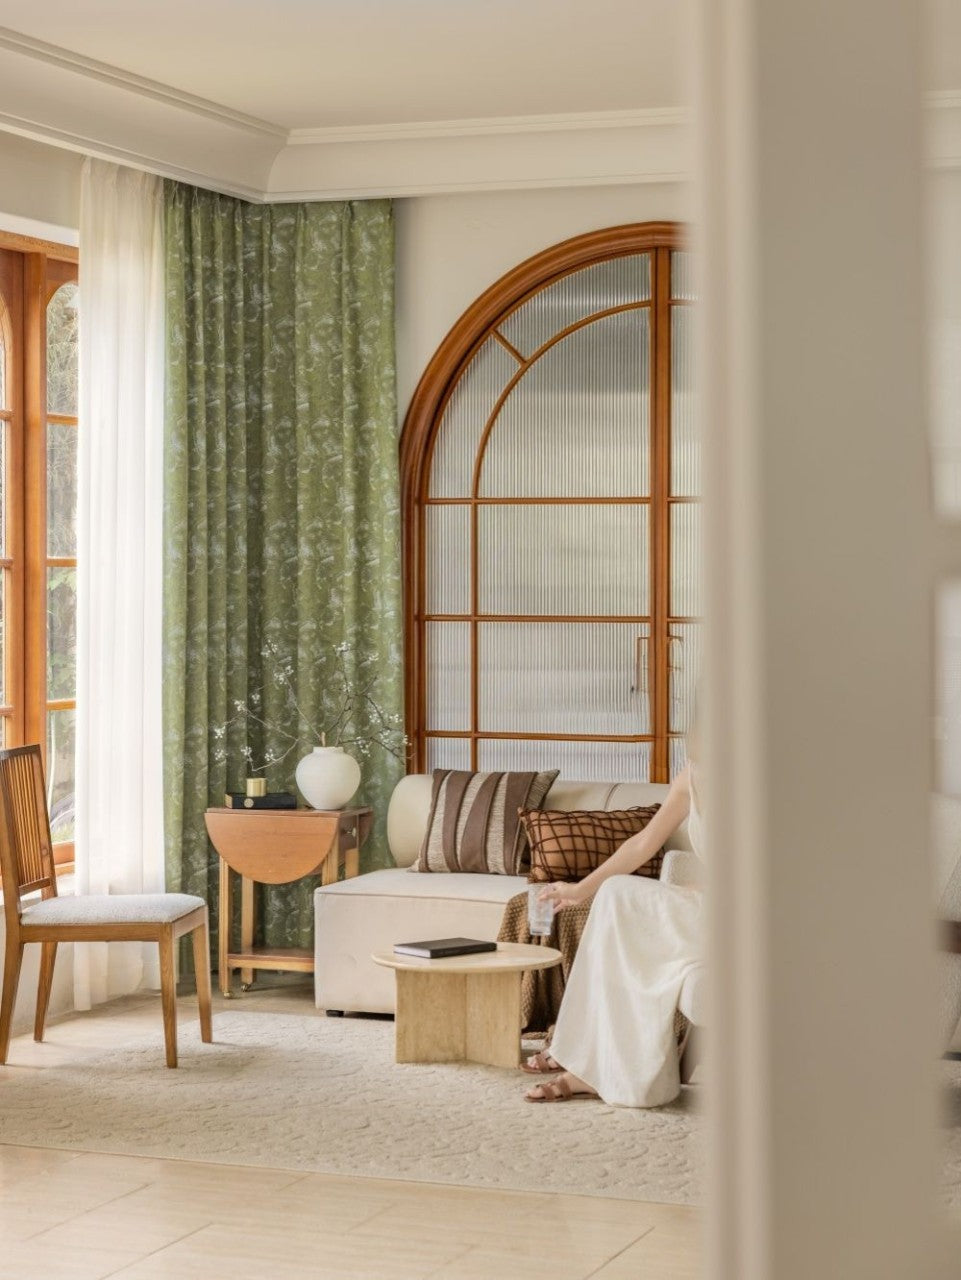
x,y
48,958
12,960
168,995
201,941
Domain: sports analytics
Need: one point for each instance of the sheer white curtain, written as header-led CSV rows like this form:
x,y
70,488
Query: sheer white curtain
x,y
119,832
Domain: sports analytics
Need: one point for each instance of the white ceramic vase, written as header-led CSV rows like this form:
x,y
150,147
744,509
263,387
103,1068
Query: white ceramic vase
x,y
328,778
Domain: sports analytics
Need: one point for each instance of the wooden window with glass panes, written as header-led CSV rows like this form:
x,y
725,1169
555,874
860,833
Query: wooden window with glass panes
x,y
551,496
38,514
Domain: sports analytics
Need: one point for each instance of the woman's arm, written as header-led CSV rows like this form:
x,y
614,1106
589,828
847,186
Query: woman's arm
x,y
634,852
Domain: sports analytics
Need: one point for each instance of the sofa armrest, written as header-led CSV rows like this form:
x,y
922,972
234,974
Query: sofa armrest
x,y
682,868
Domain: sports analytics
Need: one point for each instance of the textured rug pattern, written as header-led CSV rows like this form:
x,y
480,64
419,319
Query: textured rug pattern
x,y
324,1095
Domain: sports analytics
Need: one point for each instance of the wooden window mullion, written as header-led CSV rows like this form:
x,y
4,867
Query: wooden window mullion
x,y
35,502
15,532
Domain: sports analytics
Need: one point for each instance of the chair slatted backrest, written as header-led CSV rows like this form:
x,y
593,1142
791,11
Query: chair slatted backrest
x,y
26,849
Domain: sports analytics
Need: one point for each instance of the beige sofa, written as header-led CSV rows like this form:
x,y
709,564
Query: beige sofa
x,y
371,912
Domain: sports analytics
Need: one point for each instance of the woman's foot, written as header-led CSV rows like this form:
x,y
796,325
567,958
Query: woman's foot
x,y
541,1064
564,1089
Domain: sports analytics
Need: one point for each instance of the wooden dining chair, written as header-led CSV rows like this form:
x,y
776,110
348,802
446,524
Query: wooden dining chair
x,y
26,865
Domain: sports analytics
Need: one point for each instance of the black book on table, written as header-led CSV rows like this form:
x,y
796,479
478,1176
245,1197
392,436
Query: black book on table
x,y
272,800
440,948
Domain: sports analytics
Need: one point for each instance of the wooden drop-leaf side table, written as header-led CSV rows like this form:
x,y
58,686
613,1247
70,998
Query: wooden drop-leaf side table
x,y
277,846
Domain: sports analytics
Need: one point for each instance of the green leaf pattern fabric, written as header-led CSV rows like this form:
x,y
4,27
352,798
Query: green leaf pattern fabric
x,y
282,526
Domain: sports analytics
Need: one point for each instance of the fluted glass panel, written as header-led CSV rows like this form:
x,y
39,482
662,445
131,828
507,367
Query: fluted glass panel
x,y
545,677
448,753
448,675
682,276
685,559
578,422
685,442
577,761
564,560
448,559
678,756
614,283
684,656
464,418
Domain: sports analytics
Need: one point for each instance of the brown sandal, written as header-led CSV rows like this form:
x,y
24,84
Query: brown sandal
x,y
557,1091
541,1064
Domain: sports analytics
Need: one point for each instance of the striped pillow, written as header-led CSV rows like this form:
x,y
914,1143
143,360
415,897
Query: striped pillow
x,y
474,822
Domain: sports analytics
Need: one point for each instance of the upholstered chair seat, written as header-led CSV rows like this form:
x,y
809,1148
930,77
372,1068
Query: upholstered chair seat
x,y
102,908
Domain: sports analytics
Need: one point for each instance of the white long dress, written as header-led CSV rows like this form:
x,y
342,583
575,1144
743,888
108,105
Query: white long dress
x,y
615,1028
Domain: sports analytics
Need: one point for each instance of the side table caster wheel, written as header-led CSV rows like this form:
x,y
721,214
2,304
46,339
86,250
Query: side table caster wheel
x,y
245,986
227,995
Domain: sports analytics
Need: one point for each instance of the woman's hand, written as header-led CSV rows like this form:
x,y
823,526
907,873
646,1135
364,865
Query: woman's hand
x,y
561,895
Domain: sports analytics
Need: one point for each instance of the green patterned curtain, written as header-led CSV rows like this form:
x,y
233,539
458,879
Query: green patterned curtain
x,y
281,508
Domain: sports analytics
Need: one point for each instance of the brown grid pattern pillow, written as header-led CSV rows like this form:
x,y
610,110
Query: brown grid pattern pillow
x,y
570,845
475,823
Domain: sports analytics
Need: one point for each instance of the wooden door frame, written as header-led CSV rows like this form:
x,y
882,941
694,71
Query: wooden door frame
x,y
426,410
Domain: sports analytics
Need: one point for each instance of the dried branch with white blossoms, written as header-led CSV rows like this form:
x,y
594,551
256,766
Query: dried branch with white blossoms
x,y
388,733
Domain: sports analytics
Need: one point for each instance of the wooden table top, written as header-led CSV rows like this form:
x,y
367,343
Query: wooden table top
x,y
509,956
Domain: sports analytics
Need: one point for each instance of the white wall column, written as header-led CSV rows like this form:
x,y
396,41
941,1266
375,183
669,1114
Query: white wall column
x,y
819,578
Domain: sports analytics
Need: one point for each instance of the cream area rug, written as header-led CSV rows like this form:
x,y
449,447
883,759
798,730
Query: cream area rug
x,y
314,1094
324,1095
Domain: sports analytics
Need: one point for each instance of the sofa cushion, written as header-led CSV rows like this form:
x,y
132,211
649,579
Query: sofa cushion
x,y
457,886
356,917
409,808
570,844
474,825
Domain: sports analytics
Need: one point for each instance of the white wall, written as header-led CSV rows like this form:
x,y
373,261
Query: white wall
x,y
450,248
40,182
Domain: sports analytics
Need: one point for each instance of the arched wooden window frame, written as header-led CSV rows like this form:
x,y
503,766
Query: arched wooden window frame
x,y
425,416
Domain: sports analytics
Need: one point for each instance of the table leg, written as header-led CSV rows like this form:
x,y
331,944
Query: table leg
x,y
223,930
246,925
430,1025
328,872
493,1019
351,864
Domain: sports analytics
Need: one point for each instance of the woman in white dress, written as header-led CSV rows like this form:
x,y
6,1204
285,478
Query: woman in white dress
x,y
614,1037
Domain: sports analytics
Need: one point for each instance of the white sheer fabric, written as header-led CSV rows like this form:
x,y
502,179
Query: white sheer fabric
x,y
119,829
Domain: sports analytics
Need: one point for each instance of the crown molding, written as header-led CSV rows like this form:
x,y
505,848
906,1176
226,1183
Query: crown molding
x,y
63,59
61,98
457,156
133,159
492,126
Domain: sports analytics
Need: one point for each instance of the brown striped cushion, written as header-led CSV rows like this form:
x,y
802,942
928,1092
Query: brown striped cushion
x,y
570,845
474,822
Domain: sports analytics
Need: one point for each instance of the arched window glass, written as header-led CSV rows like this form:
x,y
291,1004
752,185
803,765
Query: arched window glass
x,y
551,473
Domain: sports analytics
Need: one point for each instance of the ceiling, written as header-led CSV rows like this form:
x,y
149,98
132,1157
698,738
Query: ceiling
x,y
334,99
320,63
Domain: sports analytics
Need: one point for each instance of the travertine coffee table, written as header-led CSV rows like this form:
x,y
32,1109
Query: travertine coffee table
x,y
463,1008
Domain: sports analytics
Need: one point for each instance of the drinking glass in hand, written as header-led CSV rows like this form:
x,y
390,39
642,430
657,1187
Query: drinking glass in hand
x,y
540,915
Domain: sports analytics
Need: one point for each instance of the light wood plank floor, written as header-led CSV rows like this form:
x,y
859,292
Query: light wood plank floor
x,y
80,1216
